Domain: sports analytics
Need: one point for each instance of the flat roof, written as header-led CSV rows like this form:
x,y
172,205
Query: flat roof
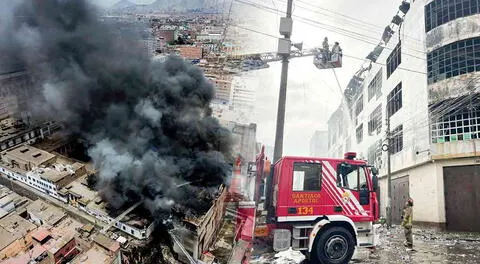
x,y
58,244
53,175
30,154
107,243
41,234
16,224
95,255
7,238
48,213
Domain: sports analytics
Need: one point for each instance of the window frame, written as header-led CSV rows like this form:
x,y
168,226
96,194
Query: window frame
x,y
375,121
454,59
394,100
320,167
397,140
394,59
440,12
340,181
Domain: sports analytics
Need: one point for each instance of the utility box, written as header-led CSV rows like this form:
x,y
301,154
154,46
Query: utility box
x,y
286,25
284,46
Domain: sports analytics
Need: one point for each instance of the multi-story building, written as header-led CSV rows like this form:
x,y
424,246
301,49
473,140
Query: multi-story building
x,y
40,169
14,94
423,82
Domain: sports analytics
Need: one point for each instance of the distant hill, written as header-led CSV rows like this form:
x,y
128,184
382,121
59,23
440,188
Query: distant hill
x,y
162,5
122,4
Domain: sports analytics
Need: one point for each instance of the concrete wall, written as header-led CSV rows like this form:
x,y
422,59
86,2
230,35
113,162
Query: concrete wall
x,y
426,186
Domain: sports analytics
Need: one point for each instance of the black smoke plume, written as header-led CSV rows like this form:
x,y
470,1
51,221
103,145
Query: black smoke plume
x,y
149,124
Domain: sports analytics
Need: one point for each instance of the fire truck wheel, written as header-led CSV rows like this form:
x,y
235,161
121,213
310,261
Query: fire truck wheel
x,y
334,246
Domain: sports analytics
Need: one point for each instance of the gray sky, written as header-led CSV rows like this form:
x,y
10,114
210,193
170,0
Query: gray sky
x,y
111,2
312,94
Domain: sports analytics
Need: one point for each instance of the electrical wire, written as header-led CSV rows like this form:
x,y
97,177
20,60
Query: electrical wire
x,y
345,55
330,28
346,17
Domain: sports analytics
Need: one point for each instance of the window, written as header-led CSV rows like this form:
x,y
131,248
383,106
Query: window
x,y
394,100
454,59
375,121
375,153
359,134
307,176
394,59
359,105
375,86
464,125
439,12
351,177
397,139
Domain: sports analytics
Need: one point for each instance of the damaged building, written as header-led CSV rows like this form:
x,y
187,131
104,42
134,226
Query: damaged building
x,y
426,84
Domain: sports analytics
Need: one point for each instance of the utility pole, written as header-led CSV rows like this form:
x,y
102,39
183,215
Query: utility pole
x,y
284,46
389,172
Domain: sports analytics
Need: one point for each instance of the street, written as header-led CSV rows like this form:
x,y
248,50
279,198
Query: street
x,y
431,247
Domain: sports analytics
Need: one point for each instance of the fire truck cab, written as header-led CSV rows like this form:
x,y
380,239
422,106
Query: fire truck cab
x,y
321,206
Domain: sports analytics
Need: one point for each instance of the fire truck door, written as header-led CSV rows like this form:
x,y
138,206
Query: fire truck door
x,y
353,179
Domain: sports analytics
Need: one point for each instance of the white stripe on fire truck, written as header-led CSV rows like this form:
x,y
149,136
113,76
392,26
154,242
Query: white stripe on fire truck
x,y
334,197
353,200
334,192
330,187
339,191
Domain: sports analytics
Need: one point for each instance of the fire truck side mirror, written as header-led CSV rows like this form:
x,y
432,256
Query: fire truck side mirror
x,y
375,182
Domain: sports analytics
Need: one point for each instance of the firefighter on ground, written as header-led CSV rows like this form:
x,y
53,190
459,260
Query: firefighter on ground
x,y
407,223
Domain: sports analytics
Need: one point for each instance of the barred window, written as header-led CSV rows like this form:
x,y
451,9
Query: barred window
x,y
375,121
359,105
394,100
394,59
375,86
439,12
359,134
397,139
454,59
453,127
374,152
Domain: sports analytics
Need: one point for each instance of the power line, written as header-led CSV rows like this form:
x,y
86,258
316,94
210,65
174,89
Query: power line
x,y
346,17
345,55
331,28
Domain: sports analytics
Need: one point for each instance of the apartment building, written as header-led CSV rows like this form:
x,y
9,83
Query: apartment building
x,y
39,169
423,83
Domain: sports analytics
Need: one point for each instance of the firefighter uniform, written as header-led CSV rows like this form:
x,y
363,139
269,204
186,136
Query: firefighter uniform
x,y
407,224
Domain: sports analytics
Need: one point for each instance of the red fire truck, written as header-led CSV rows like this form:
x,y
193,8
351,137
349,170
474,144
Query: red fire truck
x,y
323,207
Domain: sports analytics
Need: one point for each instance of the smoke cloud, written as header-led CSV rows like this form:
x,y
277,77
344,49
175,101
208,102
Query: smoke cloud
x,y
149,124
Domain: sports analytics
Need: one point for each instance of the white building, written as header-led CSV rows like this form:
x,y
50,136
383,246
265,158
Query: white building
x,y
39,169
426,82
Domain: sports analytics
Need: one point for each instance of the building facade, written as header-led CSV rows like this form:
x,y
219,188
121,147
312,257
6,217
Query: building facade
x,y
423,83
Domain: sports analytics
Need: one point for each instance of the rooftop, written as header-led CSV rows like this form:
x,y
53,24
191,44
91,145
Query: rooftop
x,y
7,238
30,154
58,244
17,225
48,213
107,243
41,234
95,255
